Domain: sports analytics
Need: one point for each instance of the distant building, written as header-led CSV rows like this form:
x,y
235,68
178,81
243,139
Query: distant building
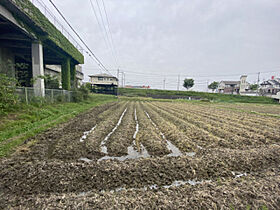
x,y
270,87
241,87
79,75
103,79
55,70
229,87
104,83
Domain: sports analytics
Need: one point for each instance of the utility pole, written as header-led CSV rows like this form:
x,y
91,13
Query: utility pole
x,y
178,85
123,79
118,76
207,86
164,83
258,83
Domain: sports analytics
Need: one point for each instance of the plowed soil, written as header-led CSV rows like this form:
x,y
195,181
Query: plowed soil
x,y
229,159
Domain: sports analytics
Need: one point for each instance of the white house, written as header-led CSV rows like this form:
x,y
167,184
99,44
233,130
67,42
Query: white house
x,y
270,87
103,80
104,83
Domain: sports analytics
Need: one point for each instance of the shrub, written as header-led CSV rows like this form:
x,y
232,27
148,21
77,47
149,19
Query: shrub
x,y
8,99
80,94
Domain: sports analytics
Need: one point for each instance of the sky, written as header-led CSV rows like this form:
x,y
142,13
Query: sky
x,y
157,40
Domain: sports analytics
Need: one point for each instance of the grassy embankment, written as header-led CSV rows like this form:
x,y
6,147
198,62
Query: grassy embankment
x,y
169,94
20,125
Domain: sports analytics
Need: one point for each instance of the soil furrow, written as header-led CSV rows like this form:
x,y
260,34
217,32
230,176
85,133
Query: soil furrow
x,y
118,143
260,127
243,133
149,136
61,177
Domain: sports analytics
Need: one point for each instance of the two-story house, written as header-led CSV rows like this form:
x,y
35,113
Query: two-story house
x,y
104,83
229,87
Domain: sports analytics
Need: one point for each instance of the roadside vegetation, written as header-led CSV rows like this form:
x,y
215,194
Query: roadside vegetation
x,y
217,97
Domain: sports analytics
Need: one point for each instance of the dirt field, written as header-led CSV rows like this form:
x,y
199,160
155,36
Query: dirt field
x,y
159,155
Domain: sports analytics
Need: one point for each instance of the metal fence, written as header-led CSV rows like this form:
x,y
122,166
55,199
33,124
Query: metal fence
x,y
52,18
30,95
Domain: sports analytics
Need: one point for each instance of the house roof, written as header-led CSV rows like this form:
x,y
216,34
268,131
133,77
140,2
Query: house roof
x,y
272,82
104,75
231,82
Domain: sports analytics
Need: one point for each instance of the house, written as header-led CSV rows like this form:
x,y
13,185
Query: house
x,y
270,87
235,87
229,87
104,83
104,79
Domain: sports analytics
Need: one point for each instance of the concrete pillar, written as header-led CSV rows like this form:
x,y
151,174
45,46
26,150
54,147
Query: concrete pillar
x,y
38,69
73,75
65,74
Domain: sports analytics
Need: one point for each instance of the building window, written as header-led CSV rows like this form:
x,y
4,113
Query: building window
x,y
100,78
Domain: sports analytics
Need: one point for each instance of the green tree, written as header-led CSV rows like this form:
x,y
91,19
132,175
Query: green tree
x,y
188,83
88,86
213,86
254,86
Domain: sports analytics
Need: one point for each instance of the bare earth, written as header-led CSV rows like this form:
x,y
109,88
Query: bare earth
x,y
157,155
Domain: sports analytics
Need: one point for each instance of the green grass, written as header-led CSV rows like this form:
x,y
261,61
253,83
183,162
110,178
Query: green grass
x,y
130,92
16,127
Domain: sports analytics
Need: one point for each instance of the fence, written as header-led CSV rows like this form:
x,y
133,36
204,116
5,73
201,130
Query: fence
x,y
28,95
45,10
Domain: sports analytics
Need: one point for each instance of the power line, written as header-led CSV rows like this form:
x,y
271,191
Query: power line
x,y
195,76
99,63
99,24
104,32
110,32
105,29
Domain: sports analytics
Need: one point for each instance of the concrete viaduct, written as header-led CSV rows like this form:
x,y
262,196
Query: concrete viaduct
x,y
27,36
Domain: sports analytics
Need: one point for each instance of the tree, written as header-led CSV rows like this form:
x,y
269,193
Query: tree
x,y
188,83
213,86
254,86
